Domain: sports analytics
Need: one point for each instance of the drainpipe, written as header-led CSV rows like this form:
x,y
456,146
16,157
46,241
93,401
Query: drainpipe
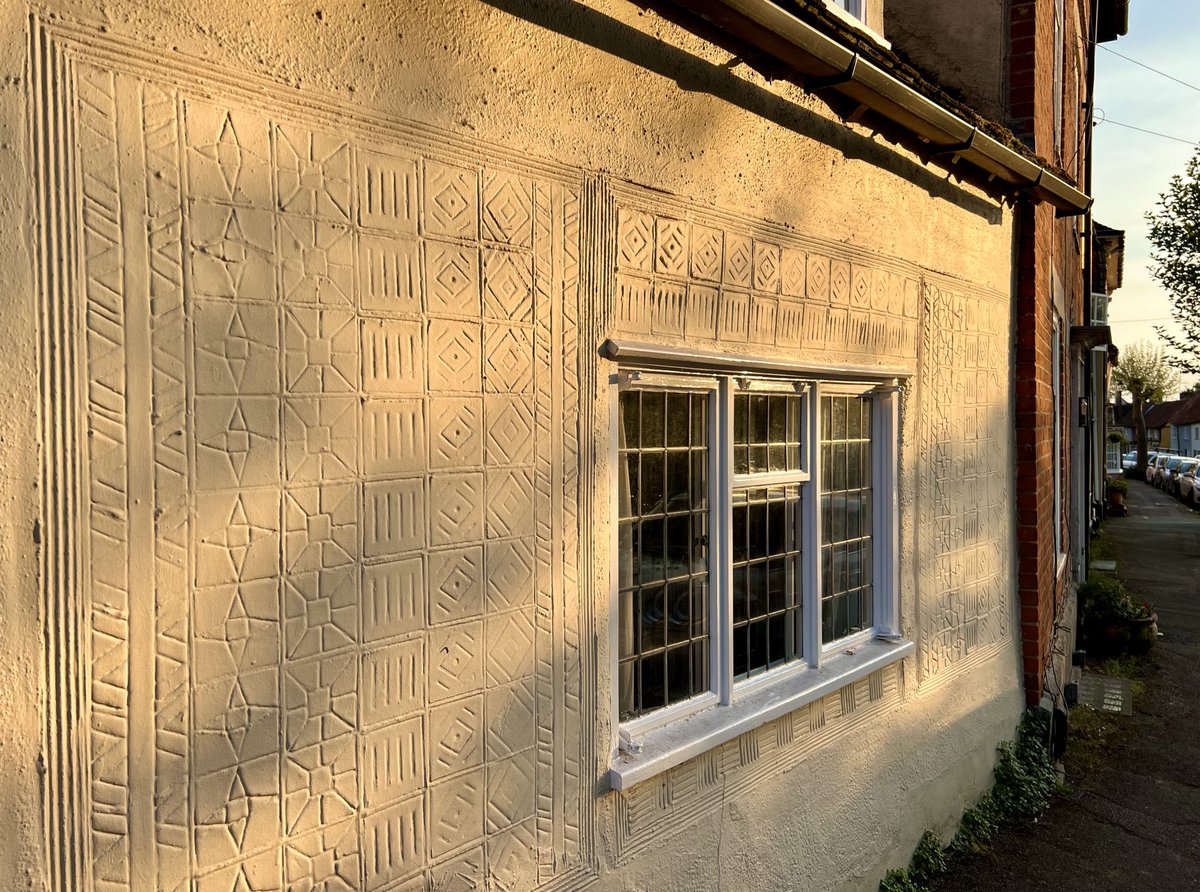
x,y
818,62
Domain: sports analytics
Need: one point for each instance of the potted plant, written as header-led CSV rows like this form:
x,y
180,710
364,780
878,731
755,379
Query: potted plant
x,y
1114,622
1117,488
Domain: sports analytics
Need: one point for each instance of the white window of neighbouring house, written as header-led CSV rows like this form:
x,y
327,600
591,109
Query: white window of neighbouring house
x,y
755,533
853,7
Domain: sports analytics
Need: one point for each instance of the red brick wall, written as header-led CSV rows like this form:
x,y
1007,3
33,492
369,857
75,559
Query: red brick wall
x,y
1043,242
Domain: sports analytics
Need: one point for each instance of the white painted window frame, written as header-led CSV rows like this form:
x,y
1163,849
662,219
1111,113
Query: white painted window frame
x,y
727,707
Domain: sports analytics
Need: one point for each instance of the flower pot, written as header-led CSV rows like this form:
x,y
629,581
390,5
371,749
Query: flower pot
x,y
1142,633
1116,503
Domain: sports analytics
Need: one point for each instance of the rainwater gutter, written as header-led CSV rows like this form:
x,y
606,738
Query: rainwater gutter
x,y
819,63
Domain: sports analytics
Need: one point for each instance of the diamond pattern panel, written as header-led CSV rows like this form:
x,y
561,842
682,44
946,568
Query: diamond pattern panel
x,y
510,791
511,721
456,503
507,209
451,200
455,737
455,660
456,812
452,281
635,240
454,349
509,646
455,585
509,574
507,286
456,439
509,438
670,247
509,503
508,359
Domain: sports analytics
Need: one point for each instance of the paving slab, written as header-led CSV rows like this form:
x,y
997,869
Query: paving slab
x,y
1134,821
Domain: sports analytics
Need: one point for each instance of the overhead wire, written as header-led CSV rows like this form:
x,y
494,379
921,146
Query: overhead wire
x,y
1160,73
1170,77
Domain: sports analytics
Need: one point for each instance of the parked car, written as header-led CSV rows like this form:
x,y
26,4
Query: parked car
x,y
1171,480
1152,467
1188,484
1166,472
1129,460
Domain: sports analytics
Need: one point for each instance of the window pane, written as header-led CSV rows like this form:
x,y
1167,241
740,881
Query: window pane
x,y
766,584
847,603
663,549
766,432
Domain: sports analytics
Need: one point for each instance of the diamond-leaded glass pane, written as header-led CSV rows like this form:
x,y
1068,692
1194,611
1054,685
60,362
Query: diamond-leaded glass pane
x,y
662,541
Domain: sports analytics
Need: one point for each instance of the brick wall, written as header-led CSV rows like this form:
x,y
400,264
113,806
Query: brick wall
x,y
1044,242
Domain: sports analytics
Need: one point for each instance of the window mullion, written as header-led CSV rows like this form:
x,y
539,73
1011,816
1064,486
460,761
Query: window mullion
x,y
811,554
721,521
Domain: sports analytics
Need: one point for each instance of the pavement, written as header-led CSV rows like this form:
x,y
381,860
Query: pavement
x,y
1133,821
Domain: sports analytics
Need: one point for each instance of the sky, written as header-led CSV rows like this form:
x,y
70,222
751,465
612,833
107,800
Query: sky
x,y
1131,169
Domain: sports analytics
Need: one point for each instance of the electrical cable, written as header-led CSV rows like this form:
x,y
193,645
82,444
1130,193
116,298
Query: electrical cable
x,y
1108,120
1169,77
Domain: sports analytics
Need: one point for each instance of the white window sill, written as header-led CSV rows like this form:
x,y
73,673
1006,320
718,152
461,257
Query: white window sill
x,y
857,24
665,747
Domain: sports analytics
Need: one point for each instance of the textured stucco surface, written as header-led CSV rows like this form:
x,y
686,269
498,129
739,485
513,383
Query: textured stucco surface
x,y
640,102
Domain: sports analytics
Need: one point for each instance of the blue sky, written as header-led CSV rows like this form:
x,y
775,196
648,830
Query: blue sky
x,y
1131,169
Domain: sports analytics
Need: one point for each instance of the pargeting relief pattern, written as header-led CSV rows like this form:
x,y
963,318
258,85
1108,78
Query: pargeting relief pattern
x,y
333,459
964,525
671,802
685,274
331,477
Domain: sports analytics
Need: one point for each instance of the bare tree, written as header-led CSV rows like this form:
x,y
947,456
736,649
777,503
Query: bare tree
x,y
1144,372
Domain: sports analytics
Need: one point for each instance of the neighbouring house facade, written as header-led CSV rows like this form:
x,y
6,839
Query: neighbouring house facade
x,y
504,444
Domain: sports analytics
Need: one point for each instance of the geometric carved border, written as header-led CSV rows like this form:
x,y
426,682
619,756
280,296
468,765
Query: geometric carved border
x,y
691,273
963,535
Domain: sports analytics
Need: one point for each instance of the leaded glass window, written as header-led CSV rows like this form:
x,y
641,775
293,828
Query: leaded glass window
x,y
663,544
846,517
748,538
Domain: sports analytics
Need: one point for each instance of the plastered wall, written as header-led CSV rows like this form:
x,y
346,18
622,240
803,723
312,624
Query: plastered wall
x,y
311,510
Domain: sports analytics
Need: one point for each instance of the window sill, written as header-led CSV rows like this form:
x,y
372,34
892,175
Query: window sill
x,y
855,23
675,743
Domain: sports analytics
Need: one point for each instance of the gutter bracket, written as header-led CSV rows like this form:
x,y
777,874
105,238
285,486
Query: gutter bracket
x,y
816,84
1059,213
957,147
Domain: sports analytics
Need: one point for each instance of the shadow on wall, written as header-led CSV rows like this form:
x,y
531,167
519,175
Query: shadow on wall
x,y
693,74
